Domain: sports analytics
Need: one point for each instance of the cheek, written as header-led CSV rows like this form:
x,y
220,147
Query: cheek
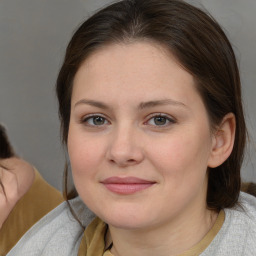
x,y
84,155
182,155
84,160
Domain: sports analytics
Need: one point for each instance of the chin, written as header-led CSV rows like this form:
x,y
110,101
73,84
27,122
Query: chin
x,y
126,224
127,214
126,220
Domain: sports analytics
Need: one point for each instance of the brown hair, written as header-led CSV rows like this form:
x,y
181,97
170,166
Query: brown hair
x,y
6,150
201,47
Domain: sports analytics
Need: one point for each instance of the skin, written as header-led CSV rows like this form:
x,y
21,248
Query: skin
x,y
128,85
17,177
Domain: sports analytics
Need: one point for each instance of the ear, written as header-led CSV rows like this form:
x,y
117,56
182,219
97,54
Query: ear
x,y
223,141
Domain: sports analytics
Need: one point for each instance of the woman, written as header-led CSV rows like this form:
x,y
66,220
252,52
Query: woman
x,y
25,197
150,106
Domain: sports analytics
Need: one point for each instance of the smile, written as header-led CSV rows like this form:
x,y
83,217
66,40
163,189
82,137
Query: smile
x,y
126,186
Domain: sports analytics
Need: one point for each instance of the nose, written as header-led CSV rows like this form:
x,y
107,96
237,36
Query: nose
x,y
125,147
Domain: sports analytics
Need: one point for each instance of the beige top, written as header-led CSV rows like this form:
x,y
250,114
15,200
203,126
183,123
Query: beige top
x,y
96,239
37,202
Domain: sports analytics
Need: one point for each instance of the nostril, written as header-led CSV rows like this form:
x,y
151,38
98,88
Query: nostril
x,y
123,162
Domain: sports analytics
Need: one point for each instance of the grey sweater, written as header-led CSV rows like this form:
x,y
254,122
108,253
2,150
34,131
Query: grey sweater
x,y
59,234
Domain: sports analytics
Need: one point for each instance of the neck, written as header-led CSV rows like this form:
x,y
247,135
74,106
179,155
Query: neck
x,y
169,238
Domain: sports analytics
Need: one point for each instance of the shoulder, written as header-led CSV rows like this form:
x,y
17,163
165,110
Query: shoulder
x,y
248,202
242,224
237,235
244,217
244,214
34,199
57,233
42,189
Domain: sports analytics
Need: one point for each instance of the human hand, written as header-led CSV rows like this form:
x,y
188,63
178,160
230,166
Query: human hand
x,y
16,177
9,193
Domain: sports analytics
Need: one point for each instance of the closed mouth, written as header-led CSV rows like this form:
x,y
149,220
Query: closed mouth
x,y
126,185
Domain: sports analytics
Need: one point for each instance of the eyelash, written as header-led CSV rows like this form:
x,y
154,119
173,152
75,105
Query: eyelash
x,y
167,118
85,120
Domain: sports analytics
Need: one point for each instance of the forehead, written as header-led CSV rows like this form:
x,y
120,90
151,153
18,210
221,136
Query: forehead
x,y
144,69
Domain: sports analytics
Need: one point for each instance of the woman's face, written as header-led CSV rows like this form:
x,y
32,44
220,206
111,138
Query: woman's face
x,y
139,137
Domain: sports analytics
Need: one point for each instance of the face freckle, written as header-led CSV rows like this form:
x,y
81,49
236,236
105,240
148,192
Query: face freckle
x,y
128,85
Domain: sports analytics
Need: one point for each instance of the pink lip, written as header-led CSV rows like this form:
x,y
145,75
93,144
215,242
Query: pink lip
x,y
127,185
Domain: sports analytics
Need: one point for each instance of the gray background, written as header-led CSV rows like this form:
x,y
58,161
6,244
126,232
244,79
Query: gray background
x,y
33,37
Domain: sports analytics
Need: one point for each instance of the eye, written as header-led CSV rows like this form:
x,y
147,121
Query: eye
x,y
160,120
95,120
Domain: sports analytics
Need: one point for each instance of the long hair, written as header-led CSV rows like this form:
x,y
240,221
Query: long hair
x,y
201,47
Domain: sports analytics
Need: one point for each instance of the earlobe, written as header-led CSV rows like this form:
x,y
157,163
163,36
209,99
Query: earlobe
x,y
223,141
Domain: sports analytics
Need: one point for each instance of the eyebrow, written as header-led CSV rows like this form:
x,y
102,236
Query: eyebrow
x,y
154,103
93,103
142,105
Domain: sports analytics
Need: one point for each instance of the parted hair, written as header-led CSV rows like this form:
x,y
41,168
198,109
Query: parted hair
x,y
201,47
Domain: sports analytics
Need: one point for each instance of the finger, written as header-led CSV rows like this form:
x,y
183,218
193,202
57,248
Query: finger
x,y
2,190
9,186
